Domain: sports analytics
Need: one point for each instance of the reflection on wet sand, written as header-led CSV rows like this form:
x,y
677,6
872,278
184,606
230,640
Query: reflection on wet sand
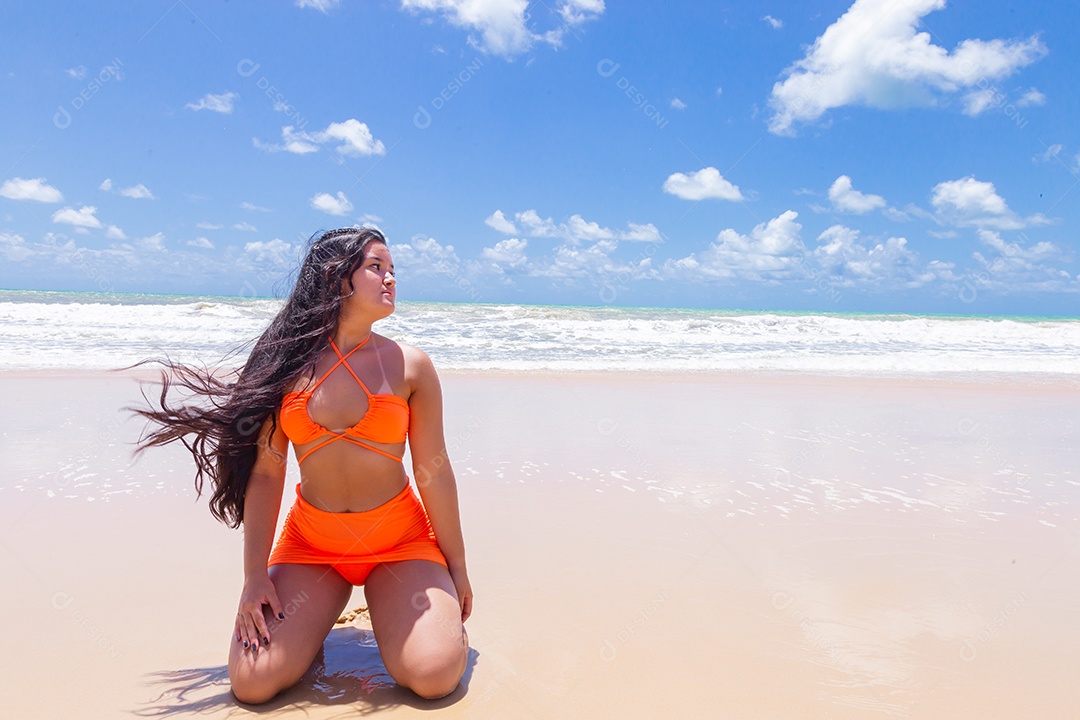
x,y
348,672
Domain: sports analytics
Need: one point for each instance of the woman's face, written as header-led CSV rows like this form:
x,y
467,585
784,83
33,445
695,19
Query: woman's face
x,y
374,288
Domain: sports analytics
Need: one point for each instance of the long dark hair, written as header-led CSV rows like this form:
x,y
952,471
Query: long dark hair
x,y
221,428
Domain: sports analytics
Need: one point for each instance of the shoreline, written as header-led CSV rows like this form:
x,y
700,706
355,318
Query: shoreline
x,y
958,380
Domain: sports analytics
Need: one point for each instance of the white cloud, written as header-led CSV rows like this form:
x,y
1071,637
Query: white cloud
x,y
355,137
1052,153
109,265
138,192
1039,250
593,262
36,189
976,101
641,233
770,252
1013,267
847,199
78,73
332,205
773,22
968,196
575,230
222,103
298,143
535,226
578,228
895,214
275,253
506,254
253,207
678,104
115,233
575,12
974,203
245,227
369,220
324,6
292,143
502,24
500,222
13,248
913,210
837,240
1031,97
83,217
426,256
201,242
351,137
703,184
155,242
942,234
874,55
848,262
208,226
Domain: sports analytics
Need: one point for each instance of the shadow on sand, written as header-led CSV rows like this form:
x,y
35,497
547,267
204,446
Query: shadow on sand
x,y
347,672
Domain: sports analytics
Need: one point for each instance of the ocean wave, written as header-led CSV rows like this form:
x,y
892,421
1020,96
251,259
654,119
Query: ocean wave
x,y
90,331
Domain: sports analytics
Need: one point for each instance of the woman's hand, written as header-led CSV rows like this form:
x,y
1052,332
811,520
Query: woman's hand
x,y
251,626
464,591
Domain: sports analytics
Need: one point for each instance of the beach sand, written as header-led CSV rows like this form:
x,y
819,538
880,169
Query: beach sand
x,y
640,545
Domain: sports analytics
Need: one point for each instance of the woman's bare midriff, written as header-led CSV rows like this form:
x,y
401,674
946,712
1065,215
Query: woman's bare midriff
x,y
342,477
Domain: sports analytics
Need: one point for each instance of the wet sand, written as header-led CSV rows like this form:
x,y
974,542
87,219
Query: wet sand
x,y
640,545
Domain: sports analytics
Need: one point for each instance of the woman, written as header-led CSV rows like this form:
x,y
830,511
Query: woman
x,y
346,398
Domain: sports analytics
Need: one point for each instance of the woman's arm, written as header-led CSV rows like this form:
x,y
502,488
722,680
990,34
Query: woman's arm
x,y
262,503
431,468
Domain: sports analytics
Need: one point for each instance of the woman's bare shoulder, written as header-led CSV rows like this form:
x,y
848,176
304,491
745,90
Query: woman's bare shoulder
x,y
413,354
418,366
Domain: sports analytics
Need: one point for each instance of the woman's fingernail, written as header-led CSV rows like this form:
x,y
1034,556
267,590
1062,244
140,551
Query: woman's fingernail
x,y
281,616
266,641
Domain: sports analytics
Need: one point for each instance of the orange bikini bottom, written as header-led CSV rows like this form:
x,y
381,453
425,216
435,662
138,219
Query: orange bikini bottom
x,y
355,543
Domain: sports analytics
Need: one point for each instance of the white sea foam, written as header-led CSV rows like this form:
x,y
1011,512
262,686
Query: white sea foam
x,y
93,331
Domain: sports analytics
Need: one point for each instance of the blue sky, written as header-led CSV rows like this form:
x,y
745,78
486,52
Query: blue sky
x,y
868,156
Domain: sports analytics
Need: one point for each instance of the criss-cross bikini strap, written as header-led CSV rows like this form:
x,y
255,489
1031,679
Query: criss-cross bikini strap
x,y
341,361
348,438
349,367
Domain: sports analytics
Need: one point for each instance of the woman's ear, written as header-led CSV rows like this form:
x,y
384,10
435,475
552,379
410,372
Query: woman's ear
x,y
347,288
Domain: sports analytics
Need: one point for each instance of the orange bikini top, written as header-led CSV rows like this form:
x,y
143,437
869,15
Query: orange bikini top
x,y
386,419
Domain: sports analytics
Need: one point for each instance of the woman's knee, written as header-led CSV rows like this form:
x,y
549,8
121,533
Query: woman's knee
x,y
254,685
433,673
253,689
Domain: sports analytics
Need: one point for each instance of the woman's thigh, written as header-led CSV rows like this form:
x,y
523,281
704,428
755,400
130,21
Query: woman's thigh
x,y
312,599
417,621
